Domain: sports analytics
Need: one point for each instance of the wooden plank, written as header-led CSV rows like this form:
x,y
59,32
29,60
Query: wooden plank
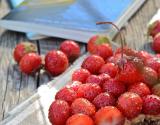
x,y
6,61
135,32
28,85
18,86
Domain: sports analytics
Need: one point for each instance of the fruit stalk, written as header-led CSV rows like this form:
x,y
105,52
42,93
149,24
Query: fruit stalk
x,y
122,40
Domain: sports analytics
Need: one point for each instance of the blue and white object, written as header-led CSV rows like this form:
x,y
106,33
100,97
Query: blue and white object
x,y
70,19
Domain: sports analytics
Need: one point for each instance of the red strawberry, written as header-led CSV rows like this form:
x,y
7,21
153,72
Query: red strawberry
x,y
83,106
154,28
91,43
149,76
30,63
99,45
114,87
130,74
79,119
114,59
23,48
59,112
103,50
71,49
140,88
56,62
156,89
157,55
94,79
127,51
151,104
144,55
130,104
154,63
104,77
110,69
66,94
156,43
80,75
104,99
89,91
109,115
93,63
74,85
158,73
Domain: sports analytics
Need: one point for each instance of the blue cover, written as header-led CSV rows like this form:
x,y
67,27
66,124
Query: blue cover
x,y
75,14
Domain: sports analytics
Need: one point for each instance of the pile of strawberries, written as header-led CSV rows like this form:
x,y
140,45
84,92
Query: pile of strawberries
x,y
109,87
55,62
154,32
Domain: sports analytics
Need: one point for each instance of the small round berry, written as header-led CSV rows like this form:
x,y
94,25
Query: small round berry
x,y
80,75
59,112
151,104
104,99
109,115
130,104
79,119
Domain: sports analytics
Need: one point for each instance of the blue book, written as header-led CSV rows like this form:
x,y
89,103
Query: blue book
x,y
70,19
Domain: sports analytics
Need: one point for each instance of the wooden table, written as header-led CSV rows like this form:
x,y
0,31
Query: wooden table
x,y
17,87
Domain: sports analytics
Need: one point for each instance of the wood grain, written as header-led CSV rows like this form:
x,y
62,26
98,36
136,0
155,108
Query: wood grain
x,y
16,86
135,32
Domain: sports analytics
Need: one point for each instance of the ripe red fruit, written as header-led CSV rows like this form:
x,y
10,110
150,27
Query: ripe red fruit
x,y
157,56
93,63
91,43
156,43
99,45
56,62
158,73
154,63
149,76
59,112
151,104
94,79
23,48
74,85
80,75
104,99
154,28
127,51
114,87
89,91
156,90
114,59
144,55
79,119
130,104
30,63
109,115
130,74
83,106
104,77
104,50
66,94
110,69
71,49
140,88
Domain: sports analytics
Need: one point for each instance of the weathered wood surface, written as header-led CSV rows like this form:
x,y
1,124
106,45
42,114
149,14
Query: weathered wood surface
x,y
14,86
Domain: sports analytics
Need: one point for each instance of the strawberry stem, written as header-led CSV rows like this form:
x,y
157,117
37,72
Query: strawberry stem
x,y
122,43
